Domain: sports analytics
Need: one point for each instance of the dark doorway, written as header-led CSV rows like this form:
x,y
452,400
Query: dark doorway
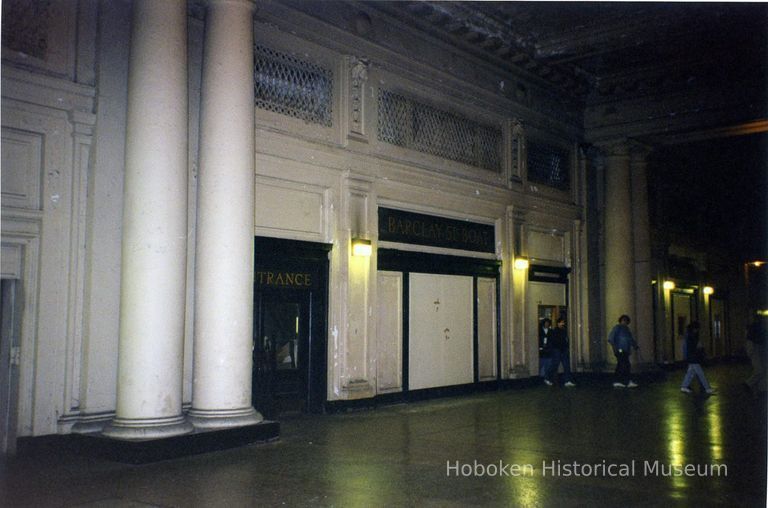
x,y
281,353
290,307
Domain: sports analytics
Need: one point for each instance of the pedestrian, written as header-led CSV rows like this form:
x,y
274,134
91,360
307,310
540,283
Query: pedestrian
x,y
755,345
620,338
545,335
560,354
694,355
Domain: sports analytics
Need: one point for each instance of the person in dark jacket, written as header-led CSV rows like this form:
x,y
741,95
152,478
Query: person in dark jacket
x,y
622,341
757,333
694,355
545,336
560,353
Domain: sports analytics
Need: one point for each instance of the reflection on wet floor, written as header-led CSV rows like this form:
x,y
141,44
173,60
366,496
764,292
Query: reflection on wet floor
x,y
540,446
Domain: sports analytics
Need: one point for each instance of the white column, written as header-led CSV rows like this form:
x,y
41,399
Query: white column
x,y
152,298
619,255
643,319
221,388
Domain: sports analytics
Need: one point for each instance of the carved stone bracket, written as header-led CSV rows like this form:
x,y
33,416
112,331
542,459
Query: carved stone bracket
x,y
516,151
358,77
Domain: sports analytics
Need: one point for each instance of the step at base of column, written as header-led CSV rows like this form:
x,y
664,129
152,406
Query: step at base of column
x,y
167,448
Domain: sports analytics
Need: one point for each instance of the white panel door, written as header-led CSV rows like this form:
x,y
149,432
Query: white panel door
x,y
440,351
389,332
486,329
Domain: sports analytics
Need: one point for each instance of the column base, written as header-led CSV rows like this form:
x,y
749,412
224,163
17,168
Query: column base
x,y
223,418
144,451
90,425
141,429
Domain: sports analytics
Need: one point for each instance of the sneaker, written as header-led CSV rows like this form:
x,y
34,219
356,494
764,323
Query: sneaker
x,y
570,384
711,391
685,389
548,382
632,384
618,385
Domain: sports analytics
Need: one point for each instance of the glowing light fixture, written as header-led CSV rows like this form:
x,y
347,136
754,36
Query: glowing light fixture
x,y
757,264
521,263
361,247
668,284
708,290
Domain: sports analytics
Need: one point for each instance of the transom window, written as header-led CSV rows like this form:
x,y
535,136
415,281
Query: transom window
x,y
407,123
549,165
290,86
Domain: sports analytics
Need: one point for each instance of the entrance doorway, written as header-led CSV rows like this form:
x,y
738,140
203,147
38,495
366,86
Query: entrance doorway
x,y
281,355
546,298
289,327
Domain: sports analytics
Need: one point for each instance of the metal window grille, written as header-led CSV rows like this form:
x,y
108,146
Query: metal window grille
x,y
289,86
25,26
410,124
549,165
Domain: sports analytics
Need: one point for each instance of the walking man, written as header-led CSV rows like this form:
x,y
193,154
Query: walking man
x,y
694,355
560,354
622,341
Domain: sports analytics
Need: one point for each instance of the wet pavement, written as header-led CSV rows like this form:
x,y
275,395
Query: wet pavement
x,y
539,446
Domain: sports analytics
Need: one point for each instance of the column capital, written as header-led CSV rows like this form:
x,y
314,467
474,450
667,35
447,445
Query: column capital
x,y
621,147
516,214
639,151
516,126
234,3
617,147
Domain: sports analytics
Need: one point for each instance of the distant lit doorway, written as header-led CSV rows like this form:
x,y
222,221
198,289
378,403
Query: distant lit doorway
x,y
720,341
546,298
683,312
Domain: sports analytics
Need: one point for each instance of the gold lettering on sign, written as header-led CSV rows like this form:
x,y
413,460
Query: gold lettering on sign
x,y
284,279
432,231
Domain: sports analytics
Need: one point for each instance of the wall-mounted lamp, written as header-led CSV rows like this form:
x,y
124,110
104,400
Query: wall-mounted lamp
x,y
361,247
668,284
521,263
708,290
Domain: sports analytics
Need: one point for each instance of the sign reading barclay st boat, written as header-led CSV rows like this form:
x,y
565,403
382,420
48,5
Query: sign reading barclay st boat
x,y
408,227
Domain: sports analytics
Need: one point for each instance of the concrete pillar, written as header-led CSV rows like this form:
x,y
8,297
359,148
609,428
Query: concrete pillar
x,y
619,248
221,386
152,297
643,313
